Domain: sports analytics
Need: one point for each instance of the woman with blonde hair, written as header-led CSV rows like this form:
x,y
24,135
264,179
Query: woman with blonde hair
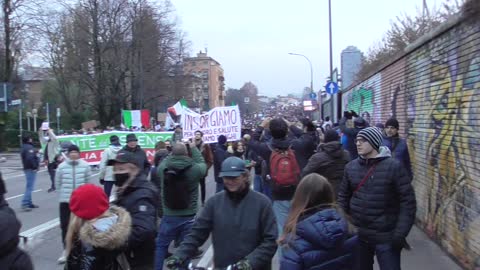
x,y
317,235
96,233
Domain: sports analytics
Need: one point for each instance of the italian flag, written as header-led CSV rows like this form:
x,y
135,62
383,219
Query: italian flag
x,y
136,118
178,108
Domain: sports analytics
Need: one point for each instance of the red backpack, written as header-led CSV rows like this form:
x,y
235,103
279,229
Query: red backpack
x,y
284,169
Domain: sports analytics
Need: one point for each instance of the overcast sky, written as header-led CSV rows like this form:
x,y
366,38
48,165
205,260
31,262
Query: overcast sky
x,y
252,38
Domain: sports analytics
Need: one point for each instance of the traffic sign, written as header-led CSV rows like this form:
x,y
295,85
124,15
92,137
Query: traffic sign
x,y
313,95
16,102
331,88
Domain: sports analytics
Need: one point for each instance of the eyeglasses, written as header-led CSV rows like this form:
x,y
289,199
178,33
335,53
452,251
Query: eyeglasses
x,y
360,141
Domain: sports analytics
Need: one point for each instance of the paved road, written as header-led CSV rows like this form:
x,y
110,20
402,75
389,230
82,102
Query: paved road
x,y
45,245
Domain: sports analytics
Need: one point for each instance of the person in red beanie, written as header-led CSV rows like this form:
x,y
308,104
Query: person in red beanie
x,y
97,233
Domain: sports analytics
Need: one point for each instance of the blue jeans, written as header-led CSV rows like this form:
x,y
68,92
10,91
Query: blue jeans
x,y
171,228
388,257
261,186
281,209
30,175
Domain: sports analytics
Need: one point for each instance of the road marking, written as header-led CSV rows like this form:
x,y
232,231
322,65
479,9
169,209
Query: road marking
x,y
19,175
206,258
13,197
28,235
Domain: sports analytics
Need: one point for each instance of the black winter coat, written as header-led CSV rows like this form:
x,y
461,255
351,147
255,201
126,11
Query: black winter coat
x,y
140,157
99,250
29,156
329,161
384,208
11,257
399,149
140,199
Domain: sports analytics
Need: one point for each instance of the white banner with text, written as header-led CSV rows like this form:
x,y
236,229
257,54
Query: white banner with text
x,y
218,121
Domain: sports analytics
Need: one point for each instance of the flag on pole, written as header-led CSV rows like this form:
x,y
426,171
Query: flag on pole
x,y
136,118
178,108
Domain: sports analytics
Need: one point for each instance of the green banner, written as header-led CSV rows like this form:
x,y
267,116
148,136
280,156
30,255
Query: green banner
x,y
95,142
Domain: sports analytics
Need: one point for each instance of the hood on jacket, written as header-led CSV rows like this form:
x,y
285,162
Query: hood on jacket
x,y
326,228
10,227
282,144
333,149
384,153
178,162
115,148
109,232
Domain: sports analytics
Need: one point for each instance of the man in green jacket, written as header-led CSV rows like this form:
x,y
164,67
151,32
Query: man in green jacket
x,y
179,177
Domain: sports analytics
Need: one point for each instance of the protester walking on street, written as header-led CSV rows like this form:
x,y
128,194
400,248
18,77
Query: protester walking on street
x,y
11,256
397,145
71,174
376,192
317,234
240,220
208,157
106,172
219,155
140,155
96,234
30,167
284,158
179,178
50,154
330,160
139,197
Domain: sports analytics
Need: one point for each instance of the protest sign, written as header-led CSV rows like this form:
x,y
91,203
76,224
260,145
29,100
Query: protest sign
x,y
91,146
218,121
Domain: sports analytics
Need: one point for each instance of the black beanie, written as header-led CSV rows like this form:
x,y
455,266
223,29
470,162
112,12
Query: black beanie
x,y
392,122
373,135
331,136
114,139
73,147
222,139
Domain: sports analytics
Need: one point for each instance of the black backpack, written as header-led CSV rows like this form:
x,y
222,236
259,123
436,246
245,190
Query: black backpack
x,y
176,188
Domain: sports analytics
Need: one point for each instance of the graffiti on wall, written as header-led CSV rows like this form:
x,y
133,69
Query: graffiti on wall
x,y
361,99
444,115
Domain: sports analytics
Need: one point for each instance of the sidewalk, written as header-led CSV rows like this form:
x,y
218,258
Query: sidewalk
x,y
425,254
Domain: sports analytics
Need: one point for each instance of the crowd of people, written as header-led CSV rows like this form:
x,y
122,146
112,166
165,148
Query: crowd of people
x,y
317,194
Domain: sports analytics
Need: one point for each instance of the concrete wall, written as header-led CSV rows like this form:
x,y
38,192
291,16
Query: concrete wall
x,y
434,92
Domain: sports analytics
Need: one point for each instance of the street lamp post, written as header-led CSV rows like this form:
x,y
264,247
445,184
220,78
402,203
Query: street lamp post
x,y
311,69
34,112
29,115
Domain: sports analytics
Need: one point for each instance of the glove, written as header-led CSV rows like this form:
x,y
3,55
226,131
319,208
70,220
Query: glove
x,y
398,243
173,262
102,182
242,265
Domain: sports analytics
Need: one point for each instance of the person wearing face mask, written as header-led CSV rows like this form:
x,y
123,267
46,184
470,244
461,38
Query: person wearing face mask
x,y
51,150
71,174
140,198
237,215
207,156
140,155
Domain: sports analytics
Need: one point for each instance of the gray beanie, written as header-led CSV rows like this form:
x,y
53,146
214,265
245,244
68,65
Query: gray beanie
x,y
373,135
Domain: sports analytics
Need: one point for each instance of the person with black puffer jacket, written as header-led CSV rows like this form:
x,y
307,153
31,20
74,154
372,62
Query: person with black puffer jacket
x,y
140,198
140,155
377,193
330,160
11,257
351,132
